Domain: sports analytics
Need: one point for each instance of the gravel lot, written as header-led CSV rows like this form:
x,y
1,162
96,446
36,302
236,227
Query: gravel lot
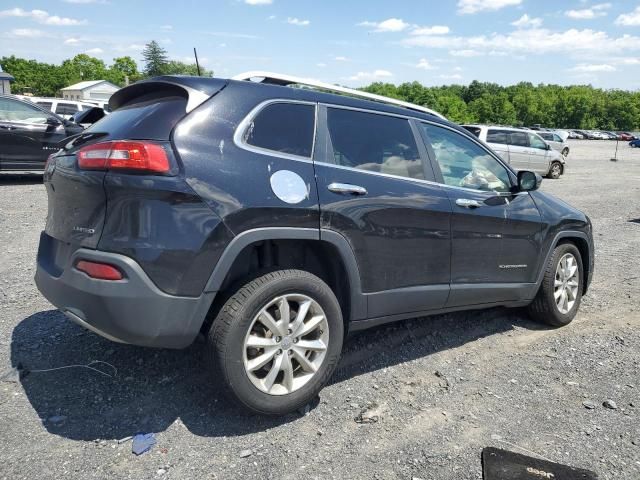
x,y
443,387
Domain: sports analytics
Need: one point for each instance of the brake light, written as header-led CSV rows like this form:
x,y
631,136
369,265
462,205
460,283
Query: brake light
x,y
101,271
129,155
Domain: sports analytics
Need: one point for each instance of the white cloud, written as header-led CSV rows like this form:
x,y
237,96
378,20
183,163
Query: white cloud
x,y
321,65
535,41
425,65
388,25
631,19
599,10
271,17
258,2
72,41
467,53
475,6
42,17
94,51
166,27
525,21
298,22
589,68
375,75
26,33
434,30
341,59
453,76
85,2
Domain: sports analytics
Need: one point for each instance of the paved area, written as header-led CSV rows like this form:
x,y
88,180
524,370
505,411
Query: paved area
x,y
442,387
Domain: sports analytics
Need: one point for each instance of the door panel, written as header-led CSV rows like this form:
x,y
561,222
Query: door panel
x,y
538,155
494,233
519,150
398,226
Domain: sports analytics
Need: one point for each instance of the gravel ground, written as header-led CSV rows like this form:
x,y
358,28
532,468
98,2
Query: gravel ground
x,y
443,387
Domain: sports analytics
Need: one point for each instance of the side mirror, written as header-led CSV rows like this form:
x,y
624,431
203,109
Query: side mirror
x,y
548,147
53,121
528,181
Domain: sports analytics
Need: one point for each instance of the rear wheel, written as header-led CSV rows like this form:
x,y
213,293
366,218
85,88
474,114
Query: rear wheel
x,y
556,170
277,340
558,299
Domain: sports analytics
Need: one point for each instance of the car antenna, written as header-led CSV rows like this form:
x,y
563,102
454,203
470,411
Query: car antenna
x,y
197,64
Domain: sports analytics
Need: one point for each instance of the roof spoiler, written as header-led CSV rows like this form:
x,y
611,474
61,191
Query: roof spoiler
x,y
196,90
284,80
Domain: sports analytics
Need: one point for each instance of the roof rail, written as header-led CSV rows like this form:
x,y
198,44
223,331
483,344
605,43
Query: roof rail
x,y
282,79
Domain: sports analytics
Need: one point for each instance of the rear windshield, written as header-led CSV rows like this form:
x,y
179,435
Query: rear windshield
x,y
152,119
474,130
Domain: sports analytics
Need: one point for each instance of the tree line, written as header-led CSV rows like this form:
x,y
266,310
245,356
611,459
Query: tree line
x,y
45,79
524,104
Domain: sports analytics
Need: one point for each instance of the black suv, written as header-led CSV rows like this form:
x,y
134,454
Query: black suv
x,y
274,219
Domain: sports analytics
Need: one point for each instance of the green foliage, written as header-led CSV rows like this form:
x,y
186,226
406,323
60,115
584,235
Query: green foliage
x,y
46,80
577,106
155,59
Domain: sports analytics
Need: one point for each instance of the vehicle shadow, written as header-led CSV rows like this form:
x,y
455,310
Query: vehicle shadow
x,y
20,179
154,388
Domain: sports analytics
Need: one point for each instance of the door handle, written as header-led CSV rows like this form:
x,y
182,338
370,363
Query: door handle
x,y
347,189
468,203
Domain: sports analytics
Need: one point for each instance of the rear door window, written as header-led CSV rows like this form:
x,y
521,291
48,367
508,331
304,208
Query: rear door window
x,y
497,136
283,127
374,142
518,139
46,105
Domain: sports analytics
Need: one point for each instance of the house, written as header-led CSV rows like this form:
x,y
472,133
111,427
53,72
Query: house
x,y
97,90
5,82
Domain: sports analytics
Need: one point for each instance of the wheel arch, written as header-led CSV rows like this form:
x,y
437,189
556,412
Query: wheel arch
x,y
325,253
584,246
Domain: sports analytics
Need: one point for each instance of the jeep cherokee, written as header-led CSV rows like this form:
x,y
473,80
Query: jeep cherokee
x,y
274,219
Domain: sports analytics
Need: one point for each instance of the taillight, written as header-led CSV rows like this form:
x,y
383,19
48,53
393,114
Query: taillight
x,y
124,155
101,271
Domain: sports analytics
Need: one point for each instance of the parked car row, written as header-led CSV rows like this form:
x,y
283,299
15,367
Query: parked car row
x,y
600,135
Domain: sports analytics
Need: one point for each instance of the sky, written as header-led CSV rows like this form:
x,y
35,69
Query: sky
x,y
350,42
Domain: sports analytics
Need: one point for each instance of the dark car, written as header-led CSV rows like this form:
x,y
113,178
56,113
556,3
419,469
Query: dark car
x,y
29,134
635,143
275,219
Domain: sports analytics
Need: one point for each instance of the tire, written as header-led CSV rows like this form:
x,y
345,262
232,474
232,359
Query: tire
x,y
239,341
544,307
555,170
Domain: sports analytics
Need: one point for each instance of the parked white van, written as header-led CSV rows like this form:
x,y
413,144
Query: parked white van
x,y
522,149
63,107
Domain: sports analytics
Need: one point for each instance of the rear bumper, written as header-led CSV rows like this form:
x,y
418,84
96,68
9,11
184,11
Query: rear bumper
x,y
132,310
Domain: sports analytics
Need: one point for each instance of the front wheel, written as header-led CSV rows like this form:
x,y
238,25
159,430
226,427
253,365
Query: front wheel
x,y
555,171
558,299
277,340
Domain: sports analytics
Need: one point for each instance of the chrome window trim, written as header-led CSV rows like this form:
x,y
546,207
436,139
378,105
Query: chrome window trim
x,y
244,124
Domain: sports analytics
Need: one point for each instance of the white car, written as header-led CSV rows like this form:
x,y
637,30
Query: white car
x,y
61,106
522,149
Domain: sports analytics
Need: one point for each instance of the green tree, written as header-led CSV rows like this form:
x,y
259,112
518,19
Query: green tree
x,y
155,59
175,67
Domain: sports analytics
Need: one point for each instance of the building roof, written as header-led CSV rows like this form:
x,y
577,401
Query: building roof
x,y
88,84
6,76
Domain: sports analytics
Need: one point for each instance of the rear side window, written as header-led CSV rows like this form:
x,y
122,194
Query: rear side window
x,y
373,142
66,109
497,136
46,105
283,127
518,139
546,136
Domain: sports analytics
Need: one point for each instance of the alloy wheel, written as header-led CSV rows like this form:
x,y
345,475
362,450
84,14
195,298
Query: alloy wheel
x,y
286,344
566,283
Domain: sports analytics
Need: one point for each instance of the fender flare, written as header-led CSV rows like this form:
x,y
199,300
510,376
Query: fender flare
x,y
559,236
358,302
